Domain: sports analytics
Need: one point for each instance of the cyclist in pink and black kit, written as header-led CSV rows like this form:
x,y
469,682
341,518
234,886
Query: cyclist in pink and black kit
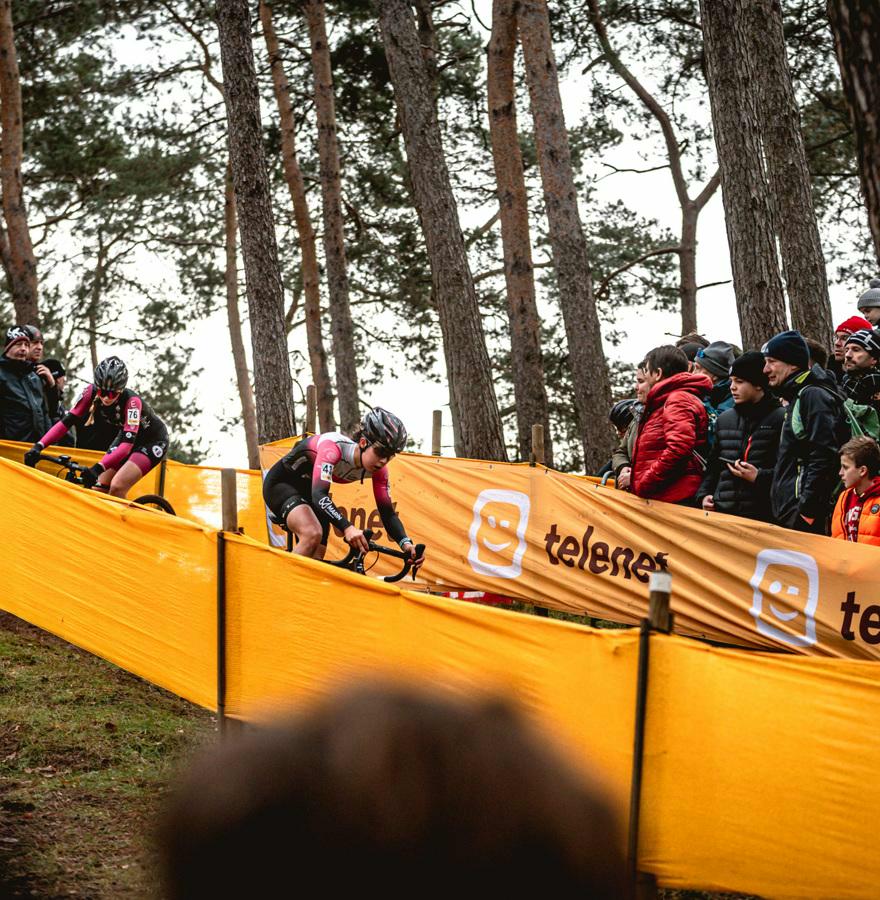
x,y
297,487
141,441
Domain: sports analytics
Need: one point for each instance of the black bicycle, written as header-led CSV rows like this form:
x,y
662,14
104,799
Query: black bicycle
x,y
354,562
74,476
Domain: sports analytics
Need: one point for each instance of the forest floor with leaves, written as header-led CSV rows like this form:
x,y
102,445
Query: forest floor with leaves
x,y
86,753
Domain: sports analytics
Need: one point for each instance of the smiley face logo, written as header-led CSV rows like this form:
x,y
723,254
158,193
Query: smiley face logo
x,y
498,533
785,594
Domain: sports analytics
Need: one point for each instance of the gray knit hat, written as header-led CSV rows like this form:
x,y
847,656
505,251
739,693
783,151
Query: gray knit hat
x,y
717,358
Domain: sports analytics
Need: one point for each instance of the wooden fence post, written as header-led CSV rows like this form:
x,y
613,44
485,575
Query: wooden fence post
x,y
659,619
537,457
229,502
311,409
435,432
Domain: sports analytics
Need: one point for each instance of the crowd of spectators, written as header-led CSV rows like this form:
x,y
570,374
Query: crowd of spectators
x,y
786,435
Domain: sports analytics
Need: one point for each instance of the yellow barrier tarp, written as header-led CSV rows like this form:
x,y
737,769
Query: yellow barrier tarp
x,y
129,584
761,773
565,542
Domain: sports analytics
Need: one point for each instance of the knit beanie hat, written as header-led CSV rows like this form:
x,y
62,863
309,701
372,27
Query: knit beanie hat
x,y
15,335
717,358
750,367
853,324
788,347
868,339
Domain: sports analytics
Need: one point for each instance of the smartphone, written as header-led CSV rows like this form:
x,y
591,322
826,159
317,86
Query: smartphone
x,y
729,462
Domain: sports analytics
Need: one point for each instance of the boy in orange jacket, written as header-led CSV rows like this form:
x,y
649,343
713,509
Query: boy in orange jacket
x,y
857,513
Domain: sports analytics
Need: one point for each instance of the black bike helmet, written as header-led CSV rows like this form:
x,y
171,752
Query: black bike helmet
x,y
111,374
622,413
384,428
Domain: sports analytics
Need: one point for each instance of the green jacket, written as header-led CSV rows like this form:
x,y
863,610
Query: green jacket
x,y
23,413
622,456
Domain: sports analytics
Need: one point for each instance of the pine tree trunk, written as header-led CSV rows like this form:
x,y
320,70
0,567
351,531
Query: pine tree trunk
x,y
242,378
732,77
342,326
589,369
527,363
308,252
464,344
23,263
803,264
272,382
856,26
687,264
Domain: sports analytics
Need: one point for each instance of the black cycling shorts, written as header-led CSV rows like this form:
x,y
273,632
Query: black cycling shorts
x,y
284,490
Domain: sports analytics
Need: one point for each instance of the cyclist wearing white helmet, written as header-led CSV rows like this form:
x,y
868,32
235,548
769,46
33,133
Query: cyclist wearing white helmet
x,y
297,487
141,441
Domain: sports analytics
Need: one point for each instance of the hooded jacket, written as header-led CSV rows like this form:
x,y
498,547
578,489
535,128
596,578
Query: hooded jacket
x,y
673,425
750,432
806,468
869,518
23,413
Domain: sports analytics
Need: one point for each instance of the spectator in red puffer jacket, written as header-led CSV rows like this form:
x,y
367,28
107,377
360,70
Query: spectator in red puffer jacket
x,y
674,424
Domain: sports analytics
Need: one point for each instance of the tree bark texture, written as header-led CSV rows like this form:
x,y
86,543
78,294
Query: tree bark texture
x,y
803,264
856,26
467,360
690,209
732,77
341,324
272,382
242,377
589,369
527,364
307,245
23,263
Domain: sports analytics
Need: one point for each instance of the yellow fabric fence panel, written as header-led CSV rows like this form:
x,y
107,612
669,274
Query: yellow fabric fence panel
x,y
761,773
297,629
565,542
132,585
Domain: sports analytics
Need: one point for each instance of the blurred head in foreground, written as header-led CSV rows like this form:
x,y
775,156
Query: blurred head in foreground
x,y
392,790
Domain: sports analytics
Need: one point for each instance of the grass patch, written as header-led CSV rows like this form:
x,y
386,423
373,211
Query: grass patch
x,y
86,751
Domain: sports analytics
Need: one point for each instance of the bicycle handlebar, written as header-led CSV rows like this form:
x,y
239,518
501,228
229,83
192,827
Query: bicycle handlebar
x,y
355,558
74,469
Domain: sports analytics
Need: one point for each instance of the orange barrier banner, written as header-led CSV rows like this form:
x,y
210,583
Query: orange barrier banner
x,y
566,542
761,773
132,585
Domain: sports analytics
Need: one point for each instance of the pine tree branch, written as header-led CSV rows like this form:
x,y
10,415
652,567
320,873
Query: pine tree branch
x,y
660,251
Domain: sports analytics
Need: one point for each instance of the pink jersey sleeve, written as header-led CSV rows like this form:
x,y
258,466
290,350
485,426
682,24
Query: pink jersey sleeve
x,y
76,416
390,519
327,455
115,457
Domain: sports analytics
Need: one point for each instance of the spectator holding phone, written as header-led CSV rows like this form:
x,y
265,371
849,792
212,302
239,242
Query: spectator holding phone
x,y
740,470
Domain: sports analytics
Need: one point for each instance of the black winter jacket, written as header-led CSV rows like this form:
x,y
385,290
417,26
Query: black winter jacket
x,y
23,413
750,432
806,469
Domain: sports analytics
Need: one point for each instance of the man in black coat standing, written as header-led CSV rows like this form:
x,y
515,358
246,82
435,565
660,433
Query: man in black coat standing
x,y
813,429
741,464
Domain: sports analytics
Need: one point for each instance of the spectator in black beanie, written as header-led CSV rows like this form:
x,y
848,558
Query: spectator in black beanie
x,y
812,430
740,469
715,360
861,376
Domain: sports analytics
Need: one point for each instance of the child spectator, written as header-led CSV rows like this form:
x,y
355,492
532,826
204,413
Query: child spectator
x,y
804,475
672,430
869,303
622,415
740,471
841,333
861,379
715,361
857,513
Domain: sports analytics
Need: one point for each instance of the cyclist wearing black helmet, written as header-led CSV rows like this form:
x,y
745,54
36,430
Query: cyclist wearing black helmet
x,y
297,487
141,440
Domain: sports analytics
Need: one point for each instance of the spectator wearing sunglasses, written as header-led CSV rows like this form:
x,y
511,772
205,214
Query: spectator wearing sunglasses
x,y
141,440
297,488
